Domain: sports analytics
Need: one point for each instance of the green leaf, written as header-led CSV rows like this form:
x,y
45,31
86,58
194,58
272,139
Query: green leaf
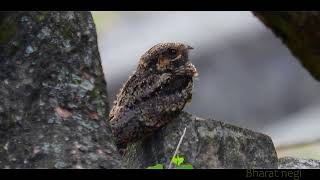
x,y
177,160
157,166
185,166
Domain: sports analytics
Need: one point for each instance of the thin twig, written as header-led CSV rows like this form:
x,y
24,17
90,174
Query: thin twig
x,y
178,146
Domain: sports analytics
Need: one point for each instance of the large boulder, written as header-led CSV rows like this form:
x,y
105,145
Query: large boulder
x,y
53,94
207,144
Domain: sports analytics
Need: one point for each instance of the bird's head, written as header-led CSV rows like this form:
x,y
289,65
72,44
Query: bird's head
x,y
168,58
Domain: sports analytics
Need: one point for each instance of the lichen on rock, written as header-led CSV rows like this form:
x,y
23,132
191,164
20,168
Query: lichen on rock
x,y
49,118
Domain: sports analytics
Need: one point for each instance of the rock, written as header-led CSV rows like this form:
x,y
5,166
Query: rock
x,y
53,94
297,163
207,144
299,31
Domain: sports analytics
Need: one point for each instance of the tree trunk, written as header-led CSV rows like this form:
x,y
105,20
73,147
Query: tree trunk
x,y
300,31
53,94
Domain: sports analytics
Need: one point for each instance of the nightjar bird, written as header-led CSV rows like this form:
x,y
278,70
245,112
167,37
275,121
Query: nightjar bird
x,y
154,95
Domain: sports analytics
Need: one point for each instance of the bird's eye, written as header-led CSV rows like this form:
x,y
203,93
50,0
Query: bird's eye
x,y
172,53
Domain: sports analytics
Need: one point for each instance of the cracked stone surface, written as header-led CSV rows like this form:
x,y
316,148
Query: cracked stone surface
x,y
207,144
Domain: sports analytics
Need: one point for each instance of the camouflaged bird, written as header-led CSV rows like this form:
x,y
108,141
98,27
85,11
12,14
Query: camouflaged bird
x,y
154,95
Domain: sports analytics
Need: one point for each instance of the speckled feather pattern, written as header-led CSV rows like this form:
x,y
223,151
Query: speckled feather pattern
x,y
154,95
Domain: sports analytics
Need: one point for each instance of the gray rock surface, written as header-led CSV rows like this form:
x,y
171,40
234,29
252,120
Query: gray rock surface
x,y
53,97
298,163
207,144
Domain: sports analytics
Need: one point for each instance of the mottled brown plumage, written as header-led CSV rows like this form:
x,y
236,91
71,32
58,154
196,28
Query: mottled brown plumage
x,y
154,95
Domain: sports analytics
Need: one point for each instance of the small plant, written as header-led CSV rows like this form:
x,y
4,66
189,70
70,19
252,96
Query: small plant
x,y
176,159
178,162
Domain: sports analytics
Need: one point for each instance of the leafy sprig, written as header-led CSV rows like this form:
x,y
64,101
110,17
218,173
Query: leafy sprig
x,y
176,159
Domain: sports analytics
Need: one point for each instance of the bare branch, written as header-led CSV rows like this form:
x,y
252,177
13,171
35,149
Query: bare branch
x,y
178,146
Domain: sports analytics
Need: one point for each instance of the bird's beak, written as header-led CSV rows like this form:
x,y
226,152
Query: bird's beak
x,y
189,47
